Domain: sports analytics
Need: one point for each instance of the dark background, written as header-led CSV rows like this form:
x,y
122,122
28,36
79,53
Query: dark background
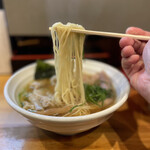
x,y
1,6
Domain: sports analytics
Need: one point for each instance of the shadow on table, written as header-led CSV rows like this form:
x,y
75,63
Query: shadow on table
x,y
74,142
125,124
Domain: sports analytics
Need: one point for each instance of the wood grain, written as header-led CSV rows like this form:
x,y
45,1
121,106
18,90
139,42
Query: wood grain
x,y
127,129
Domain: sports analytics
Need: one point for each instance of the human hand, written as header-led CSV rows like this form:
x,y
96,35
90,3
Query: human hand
x,y
136,61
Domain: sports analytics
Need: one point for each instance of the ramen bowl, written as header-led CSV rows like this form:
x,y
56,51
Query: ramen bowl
x,y
67,125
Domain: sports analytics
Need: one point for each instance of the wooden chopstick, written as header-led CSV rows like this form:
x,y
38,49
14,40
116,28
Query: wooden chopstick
x,y
110,34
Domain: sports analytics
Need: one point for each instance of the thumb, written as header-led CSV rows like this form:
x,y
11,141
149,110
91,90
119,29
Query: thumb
x,y
146,57
137,31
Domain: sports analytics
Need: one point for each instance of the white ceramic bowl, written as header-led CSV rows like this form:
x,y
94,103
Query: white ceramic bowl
x,y
67,125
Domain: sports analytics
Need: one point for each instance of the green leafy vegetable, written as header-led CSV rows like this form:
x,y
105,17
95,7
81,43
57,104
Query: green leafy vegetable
x,y
24,96
75,107
44,70
95,94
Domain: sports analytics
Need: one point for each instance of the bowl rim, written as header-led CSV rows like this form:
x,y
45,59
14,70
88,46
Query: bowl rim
x,y
92,116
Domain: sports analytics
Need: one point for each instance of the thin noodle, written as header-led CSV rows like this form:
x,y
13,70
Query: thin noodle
x,y
68,49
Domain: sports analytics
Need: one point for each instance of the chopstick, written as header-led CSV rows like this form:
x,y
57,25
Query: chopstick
x,y
110,34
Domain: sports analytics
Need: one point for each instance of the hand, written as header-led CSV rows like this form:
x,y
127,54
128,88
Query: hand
x,y
136,61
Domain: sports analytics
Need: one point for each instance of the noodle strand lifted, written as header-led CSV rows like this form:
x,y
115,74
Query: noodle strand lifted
x,y
68,50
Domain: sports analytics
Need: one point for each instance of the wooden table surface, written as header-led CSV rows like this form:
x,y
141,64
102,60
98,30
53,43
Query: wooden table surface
x,y
127,129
